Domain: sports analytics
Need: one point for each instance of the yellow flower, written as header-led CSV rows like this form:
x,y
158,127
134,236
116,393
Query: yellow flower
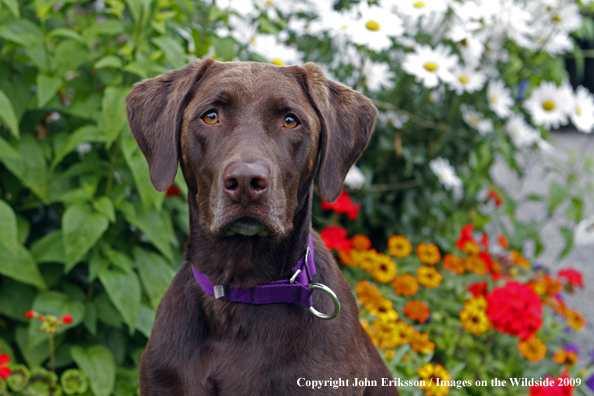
x,y
384,269
519,260
371,333
454,263
575,319
478,303
419,342
470,248
389,354
431,376
565,357
400,335
399,246
364,258
360,242
532,348
429,277
476,264
428,253
405,285
367,293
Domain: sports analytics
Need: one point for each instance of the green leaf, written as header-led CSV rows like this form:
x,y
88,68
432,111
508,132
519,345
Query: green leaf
x,y
16,298
33,356
90,320
173,51
123,290
96,265
87,133
575,210
104,206
146,318
49,248
82,228
557,194
47,86
98,364
113,113
108,61
58,304
20,266
21,31
27,162
8,116
155,273
225,48
568,237
13,6
66,33
8,230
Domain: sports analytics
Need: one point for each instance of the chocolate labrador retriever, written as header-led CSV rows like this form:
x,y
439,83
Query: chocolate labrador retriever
x,y
238,317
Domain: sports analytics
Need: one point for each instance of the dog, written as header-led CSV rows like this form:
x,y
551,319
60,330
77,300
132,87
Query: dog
x,y
249,138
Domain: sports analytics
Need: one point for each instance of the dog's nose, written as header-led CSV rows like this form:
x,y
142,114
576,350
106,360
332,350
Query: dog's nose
x,y
246,181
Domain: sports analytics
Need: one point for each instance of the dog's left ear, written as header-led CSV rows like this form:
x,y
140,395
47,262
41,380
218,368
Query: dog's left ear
x,y
348,120
155,108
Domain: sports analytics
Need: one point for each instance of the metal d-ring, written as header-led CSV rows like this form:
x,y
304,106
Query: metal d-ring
x,y
329,291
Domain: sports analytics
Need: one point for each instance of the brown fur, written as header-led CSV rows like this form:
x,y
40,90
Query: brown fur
x,y
203,346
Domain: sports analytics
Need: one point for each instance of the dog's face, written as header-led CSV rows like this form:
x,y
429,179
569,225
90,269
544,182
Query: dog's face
x,y
248,136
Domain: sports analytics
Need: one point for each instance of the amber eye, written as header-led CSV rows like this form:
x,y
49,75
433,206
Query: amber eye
x,y
211,117
290,122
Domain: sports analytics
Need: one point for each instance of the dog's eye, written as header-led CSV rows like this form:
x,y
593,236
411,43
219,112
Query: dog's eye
x,y
211,117
290,122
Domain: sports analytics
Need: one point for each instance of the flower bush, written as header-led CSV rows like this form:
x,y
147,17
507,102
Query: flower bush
x,y
459,84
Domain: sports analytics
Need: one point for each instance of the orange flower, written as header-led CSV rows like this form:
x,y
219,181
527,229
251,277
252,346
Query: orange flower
x,y
428,253
503,241
476,264
371,333
454,263
429,277
552,285
420,342
360,242
575,319
532,348
519,260
346,259
416,310
364,258
367,293
428,373
384,269
399,246
405,285
565,357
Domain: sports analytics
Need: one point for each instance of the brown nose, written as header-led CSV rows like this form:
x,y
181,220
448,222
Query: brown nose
x,y
246,181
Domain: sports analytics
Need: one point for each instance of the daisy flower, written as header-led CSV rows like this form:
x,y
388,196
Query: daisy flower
x,y
354,178
476,120
582,114
584,232
521,134
467,79
392,118
429,65
377,75
415,9
549,105
566,18
500,99
446,173
375,26
267,46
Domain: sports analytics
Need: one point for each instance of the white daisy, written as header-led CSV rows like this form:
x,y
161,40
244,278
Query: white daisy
x,y
500,99
566,18
374,27
267,46
377,75
582,115
476,120
429,66
584,232
467,79
555,43
392,118
354,178
549,105
521,134
417,8
446,173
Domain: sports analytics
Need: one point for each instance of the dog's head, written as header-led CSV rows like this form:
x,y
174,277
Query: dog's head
x,y
248,136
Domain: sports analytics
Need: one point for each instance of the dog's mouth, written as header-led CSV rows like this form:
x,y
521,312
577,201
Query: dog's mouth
x,y
247,226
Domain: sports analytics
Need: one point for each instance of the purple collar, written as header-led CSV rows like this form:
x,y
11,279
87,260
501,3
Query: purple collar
x,y
297,289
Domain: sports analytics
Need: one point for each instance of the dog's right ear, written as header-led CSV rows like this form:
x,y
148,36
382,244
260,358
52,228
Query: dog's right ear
x,y
155,108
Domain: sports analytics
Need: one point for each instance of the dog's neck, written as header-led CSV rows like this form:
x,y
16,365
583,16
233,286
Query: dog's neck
x,y
245,261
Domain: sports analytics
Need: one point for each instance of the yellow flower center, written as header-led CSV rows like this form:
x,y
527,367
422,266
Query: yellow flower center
x,y
463,80
430,66
578,110
277,62
372,25
556,18
474,121
548,105
418,4
494,99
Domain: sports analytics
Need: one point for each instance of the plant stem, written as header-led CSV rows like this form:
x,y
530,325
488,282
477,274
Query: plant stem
x,y
52,353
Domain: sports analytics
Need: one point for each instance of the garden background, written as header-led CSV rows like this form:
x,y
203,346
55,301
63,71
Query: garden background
x,y
447,269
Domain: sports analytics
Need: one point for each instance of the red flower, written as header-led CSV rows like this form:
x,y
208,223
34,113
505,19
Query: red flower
x,y
173,191
466,236
485,241
515,309
343,205
552,387
335,237
4,370
41,318
573,276
487,259
495,197
30,314
478,289
67,319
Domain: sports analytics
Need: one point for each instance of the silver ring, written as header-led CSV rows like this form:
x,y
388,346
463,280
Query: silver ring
x,y
329,291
